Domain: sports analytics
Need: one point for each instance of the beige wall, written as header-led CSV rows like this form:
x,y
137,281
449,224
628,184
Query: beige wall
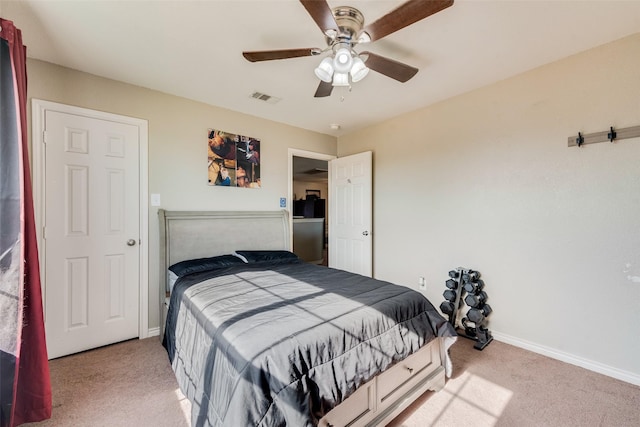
x,y
486,181
177,146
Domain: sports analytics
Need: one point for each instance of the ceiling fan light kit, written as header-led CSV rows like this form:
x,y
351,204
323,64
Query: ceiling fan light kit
x,y
344,64
344,28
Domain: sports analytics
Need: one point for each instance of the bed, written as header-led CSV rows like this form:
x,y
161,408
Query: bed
x,y
256,336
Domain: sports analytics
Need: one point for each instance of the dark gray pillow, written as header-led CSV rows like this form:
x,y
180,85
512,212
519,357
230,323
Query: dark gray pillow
x,y
204,264
273,257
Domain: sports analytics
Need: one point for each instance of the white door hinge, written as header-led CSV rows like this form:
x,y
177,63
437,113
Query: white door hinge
x,y
44,136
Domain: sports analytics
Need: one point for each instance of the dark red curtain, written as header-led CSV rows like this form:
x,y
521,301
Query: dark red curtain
x,y
25,388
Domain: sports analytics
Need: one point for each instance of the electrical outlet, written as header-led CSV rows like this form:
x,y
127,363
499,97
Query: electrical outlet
x,y
422,284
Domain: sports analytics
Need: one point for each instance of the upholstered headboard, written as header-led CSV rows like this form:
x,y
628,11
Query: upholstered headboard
x,y
199,234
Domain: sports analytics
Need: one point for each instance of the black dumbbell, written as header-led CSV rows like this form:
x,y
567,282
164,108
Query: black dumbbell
x,y
470,331
474,287
471,276
477,315
450,295
451,284
476,300
454,274
447,307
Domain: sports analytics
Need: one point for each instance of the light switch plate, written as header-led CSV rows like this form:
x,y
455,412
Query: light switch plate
x,y
283,202
155,199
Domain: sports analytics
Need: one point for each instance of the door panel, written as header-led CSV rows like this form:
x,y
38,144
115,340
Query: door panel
x,y
75,292
350,183
91,232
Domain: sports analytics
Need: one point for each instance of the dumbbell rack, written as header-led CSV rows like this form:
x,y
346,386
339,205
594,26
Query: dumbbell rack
x,y
464,286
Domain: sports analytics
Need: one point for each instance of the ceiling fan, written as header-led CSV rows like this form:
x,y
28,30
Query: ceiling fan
x,y
344,28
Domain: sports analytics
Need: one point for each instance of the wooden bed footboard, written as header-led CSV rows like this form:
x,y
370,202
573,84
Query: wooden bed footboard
x,y
380,400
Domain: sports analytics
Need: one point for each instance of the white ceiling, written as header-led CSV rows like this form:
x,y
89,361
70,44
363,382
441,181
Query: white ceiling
x,y
194,49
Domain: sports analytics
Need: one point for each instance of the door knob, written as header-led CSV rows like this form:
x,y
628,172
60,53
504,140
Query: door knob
x,y
365,233
131,242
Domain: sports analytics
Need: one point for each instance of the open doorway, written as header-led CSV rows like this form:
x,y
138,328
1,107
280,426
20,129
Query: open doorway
x,y
309,191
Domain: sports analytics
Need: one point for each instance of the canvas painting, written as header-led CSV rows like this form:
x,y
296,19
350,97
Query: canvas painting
x,y
234,160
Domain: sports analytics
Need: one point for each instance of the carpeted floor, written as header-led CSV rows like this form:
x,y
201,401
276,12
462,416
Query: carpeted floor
x,y
131,384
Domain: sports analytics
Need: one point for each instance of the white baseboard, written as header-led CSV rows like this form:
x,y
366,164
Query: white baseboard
x,y
600,368
153,332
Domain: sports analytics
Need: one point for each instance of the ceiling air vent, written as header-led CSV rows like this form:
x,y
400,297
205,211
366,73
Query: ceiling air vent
x,y
264,97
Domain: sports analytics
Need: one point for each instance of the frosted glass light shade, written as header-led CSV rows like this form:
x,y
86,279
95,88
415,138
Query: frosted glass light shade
x,y
343,60
324,71
358,71
340,79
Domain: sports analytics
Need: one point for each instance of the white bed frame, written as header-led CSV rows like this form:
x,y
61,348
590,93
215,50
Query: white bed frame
x,y
198,234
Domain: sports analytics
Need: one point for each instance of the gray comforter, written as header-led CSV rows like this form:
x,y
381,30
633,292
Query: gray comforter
x,y
275,345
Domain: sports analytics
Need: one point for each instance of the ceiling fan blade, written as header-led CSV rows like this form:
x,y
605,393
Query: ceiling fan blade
x,y
268,55
390,68
408,13
324,89
321,13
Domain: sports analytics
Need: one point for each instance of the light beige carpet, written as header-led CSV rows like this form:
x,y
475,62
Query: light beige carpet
x,y
131,384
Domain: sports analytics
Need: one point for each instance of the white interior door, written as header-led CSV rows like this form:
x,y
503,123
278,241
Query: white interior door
x,y
350,220
91,232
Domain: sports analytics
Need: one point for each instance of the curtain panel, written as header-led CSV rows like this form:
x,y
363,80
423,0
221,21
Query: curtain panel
x,y
25,388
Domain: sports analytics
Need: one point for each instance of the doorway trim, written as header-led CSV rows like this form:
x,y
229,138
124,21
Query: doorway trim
x,y
38,109
295,152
